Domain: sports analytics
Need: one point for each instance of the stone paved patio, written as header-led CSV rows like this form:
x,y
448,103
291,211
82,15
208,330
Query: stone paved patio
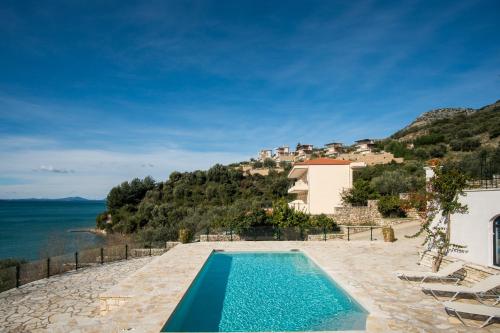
x,y
58,299
143,301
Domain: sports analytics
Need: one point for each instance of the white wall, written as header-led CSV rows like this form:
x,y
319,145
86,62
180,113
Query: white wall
x,y
475,229
326,182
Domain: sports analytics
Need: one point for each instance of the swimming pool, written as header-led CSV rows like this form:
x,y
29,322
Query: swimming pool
x,y
264,291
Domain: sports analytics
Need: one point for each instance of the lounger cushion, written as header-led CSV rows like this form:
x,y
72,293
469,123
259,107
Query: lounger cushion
x,y
479,309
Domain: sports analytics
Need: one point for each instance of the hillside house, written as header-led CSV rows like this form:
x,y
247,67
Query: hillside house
x,y
303,151
319,183
265,153
283,154
364,145
333,149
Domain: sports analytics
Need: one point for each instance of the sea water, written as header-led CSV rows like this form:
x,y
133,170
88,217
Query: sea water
x,y
31,228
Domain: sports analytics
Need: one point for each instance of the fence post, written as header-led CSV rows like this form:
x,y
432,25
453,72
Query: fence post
x,y
324,234
126,251
102,256
76,260
371,233
279,233
18,275
231,233
150,246
48,267
348,234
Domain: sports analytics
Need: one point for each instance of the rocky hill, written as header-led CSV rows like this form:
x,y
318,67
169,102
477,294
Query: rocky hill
x,y
436,114
450,125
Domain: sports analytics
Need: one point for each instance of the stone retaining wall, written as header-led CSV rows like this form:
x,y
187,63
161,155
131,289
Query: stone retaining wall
x,y
357,215
219,238
368,215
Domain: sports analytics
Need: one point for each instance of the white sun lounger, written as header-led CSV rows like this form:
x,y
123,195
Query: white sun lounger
x,y
456,308
444,274
482,289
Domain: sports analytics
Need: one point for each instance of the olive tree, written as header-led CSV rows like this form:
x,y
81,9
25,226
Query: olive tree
x,y
442,199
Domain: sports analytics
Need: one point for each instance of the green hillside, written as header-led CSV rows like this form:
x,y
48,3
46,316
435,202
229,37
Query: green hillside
x,y
461,130
467,138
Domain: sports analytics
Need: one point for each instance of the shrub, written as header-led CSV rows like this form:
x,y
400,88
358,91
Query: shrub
x,y
257,164
101,220
421,154
399,149
438,150
359,194
269,163
391,206
468,144
430,139
323,221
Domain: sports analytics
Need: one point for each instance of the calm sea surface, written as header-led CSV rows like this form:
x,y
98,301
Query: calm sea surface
x,y
29,228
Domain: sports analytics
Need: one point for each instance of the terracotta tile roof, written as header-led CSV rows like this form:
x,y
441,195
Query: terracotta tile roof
x,y
324,161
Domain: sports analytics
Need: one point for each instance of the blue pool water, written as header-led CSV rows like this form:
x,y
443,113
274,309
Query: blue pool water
x,y
264,291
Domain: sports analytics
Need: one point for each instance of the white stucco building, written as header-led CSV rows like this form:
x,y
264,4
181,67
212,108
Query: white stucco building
x,y
319,183
364,145
478,229
333,149
264,154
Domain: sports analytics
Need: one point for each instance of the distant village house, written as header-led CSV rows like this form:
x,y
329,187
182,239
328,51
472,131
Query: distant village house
x,y
364,145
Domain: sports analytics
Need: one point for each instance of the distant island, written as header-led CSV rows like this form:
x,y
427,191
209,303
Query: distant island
x,y
58,199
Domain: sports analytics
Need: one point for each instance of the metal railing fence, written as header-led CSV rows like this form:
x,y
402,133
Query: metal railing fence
x,y
270,233
23,273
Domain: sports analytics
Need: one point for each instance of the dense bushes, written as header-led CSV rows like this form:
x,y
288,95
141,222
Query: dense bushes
x,y
391,206
430,139
285,217
219,197
467,144
398,149
359,194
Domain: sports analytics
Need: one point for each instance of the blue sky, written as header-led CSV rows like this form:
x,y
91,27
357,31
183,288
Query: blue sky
x,y
93,93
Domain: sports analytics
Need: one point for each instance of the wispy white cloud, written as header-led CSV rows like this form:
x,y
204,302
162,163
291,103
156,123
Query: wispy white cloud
x,y
92,173
50,168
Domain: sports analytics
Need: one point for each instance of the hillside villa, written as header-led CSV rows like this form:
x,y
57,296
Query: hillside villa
x,y
319,184
363,152
283,154
364,145
333,149
265,153
303,151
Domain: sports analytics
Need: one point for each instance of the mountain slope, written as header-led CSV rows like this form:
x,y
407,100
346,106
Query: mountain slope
x,y
461,128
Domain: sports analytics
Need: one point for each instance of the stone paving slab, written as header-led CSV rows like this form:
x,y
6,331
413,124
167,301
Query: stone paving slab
x,y
152,287
61,299
365,269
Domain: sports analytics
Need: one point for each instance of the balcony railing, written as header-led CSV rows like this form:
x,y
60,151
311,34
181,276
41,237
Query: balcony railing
x,y
493,182
299,186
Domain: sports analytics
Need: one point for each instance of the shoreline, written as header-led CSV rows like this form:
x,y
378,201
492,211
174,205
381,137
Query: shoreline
x,y
94,231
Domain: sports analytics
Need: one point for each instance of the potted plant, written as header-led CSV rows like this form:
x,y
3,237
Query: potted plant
x,y
388,233
185,235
